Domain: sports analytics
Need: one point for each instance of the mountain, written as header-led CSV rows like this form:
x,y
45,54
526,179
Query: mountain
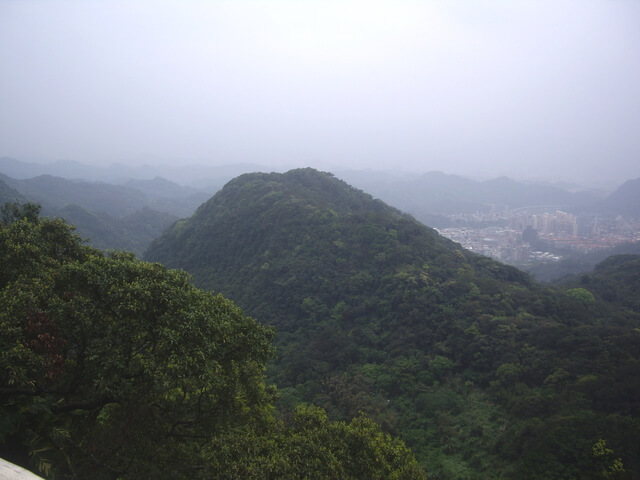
x,y
167,196
280,226
480,370
9,194
568,268
17,169
505,191
106,216
133,232
440,193
624,201
100,197
202,176
616,280
160,187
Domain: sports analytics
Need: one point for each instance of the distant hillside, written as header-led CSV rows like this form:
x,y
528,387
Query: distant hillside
x,y
168,196
439,193
624,201
482,372
58,192
616,280
202,176
9,194
132,232
107,216
566,269
162,188
505,191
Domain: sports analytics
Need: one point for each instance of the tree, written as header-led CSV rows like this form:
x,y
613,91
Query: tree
x,y
312,447
115,367
111,367
581,295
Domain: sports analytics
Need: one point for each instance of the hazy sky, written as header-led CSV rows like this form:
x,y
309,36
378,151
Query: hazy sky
x,y
517,87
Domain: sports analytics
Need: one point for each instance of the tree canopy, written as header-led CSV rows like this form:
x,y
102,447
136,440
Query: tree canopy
x,y
111,367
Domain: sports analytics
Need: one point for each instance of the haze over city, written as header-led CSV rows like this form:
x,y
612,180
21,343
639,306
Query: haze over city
x,y
544,89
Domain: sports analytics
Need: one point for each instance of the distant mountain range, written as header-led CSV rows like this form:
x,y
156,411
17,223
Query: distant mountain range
x,y
205,177
53,191
436,193
428,196
108,216
109,195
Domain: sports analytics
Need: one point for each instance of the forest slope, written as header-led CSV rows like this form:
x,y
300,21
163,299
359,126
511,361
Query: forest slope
x,y
480,370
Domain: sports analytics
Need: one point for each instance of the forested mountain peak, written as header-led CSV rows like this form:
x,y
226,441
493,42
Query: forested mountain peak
x,y
304,185
294,226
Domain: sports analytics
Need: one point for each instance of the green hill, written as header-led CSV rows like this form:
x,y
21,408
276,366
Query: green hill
x,y
482,372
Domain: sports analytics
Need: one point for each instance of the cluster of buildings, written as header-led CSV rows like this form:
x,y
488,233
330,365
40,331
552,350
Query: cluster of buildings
x,y
521,236
558,223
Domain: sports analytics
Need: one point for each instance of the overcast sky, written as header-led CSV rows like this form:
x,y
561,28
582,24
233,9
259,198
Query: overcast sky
x,y
526,88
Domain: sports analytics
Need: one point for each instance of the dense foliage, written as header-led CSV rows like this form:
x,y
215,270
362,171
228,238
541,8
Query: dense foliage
x,y
111,367
616,280
479,369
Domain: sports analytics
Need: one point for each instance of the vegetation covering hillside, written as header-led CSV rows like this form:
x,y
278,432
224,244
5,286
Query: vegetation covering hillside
x,y
8,194
616,281
115,368
483,373
107,216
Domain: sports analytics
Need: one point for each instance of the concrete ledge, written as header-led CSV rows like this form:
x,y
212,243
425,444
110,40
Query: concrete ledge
x,y
9,471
